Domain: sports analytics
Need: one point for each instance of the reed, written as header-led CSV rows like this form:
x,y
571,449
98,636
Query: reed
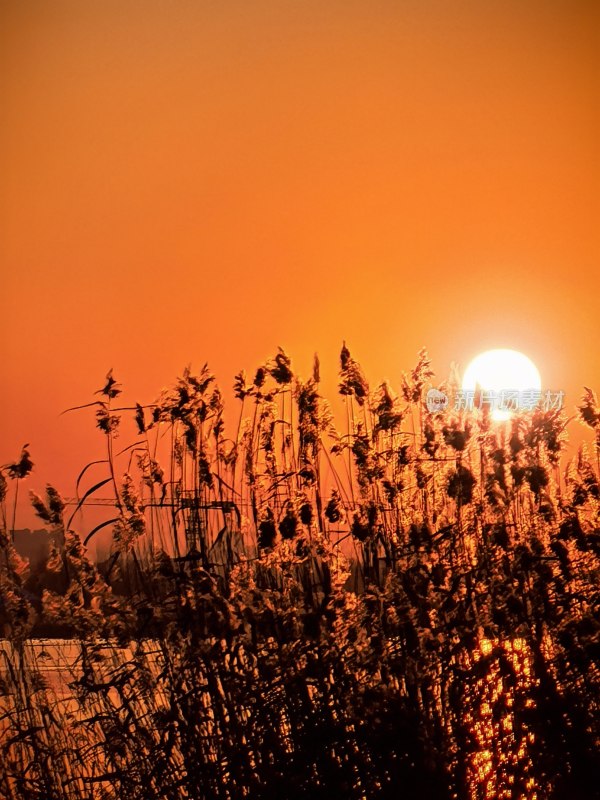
x,y
405,608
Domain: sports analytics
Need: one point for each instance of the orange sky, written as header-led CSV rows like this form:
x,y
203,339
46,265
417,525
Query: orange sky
x,y
192,181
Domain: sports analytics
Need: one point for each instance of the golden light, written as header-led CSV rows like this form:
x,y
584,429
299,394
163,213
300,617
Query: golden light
x,y
502,371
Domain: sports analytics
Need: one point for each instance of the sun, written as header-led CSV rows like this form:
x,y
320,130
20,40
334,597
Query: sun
x,y
502,370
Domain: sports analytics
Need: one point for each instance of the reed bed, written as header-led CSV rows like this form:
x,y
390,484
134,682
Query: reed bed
x,y
408,608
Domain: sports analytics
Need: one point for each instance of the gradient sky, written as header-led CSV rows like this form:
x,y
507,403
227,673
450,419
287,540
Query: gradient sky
x,y
203,181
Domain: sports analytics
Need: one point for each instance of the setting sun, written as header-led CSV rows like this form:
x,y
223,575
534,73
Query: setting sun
x,y
499,371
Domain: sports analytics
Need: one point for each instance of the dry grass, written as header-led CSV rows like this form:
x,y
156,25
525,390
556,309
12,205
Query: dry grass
x,y
407,609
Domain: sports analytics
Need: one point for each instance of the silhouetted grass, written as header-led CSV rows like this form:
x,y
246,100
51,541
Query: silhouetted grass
x,y
409,608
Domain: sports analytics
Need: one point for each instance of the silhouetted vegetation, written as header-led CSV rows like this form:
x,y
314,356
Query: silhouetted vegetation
x,y
410,608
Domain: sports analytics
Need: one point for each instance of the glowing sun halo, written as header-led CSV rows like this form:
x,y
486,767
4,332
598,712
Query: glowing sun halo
x,y
498,370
